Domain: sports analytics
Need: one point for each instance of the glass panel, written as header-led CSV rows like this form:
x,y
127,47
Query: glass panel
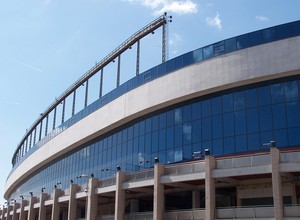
x,y
265,116
216,105
230,45
228,124
178,115
242,41
187,133
197,55
207,52
162,139
178,62
196,131
178,135
264,95
240,122
294,137
227,103
277,92
255,38
219,48
229,145
170,137
293,113
239,101
206,129
280,137
161,69
295,28
162,120
206,108
217,147
251,98
170,118
188,59
253,142
217,127
186,113
155,123
252,120
282,32
291,91
266,137
196,110
170,66
279,116
268,35
241,143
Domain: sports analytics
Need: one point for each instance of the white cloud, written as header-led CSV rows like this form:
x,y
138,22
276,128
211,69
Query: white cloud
x,y
215,22
174,41
261,18
160,6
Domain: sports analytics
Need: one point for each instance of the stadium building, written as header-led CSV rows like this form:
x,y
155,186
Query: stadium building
x,y
211,134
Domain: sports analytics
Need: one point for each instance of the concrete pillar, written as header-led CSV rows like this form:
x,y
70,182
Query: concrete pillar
x,y
159,194
22,215
42,211
210,191
92,197
31,211
196,199
120,196
56,205
72,209
276,183
15,215
3,213
0,214
9,209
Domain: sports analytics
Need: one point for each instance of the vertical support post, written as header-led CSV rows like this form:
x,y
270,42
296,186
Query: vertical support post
x,y
92,203
41,128
196,199
159,195
276,183
86,92
9,209
210,191
31,211
54,118
63,111
42,212
34,136
101,83
72,210
119,70
15,215
138,58
120,196
22,211
56,205
4,211
46,128
30,143
164,43
74,102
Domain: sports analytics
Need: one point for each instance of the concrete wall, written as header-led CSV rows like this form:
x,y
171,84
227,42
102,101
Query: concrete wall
x,y
267,61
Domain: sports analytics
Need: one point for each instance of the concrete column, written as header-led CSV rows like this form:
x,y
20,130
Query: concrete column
x,y
56,205
31,211
276,183
3,213
120,196
0,214
92,197
196,199
9,209
72,209
210,191
159,194
22,215
42,211
15,215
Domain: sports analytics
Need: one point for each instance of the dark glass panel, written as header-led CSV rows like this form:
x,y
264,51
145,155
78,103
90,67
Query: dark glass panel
x,y
119,137
186,113
240,122
252,120
230,45
124,135
170,66
253,142
170,136
206,108
228,124
178,154
279,116
268,35
239,101
178,115
216,105
136,130
217,147
266,137
241,143
295,28
148,144
255,38
293,114
130,133
161,69
208,52
229,145
206,129
142,128
162,120
170,118
251,98
294,137
188,59
155,123
187,152
265,118
242,41
227,103
170,155
178,62
154,143
196,110
162,139
148,125
264,96
277,93
197,55
280,137
282,32
196,131
291,91
217,126
219,48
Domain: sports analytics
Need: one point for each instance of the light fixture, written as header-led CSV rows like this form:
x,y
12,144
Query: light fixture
x,y
272,144
156,160
31,194
207,152
118,168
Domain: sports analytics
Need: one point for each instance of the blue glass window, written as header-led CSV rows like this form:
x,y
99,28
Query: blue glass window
x,y
197,55
196,110
170,137
279,116
196,131
291,91
170,66
240,122
227,103
253,142
230,45
161,69
186,113
282,32
264,96
187,59
228,124
187,133
154,141
170,118
265,118
229,145
217,127
178,62
241,143
219,48
206,129
216,106
162,120
206,108
178,115
293,113
207,52
268,35
255,38
162,139
239,101
294,137
277,92
280,137
252,120
217,147
242,41
251,98
295,28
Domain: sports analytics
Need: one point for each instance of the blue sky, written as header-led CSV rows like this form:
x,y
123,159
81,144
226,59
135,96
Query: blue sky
x,y
46,45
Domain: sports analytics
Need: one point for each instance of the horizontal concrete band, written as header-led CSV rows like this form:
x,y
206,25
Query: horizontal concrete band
x,y
255,64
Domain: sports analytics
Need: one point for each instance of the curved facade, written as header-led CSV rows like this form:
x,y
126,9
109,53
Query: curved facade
x,y
225,100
